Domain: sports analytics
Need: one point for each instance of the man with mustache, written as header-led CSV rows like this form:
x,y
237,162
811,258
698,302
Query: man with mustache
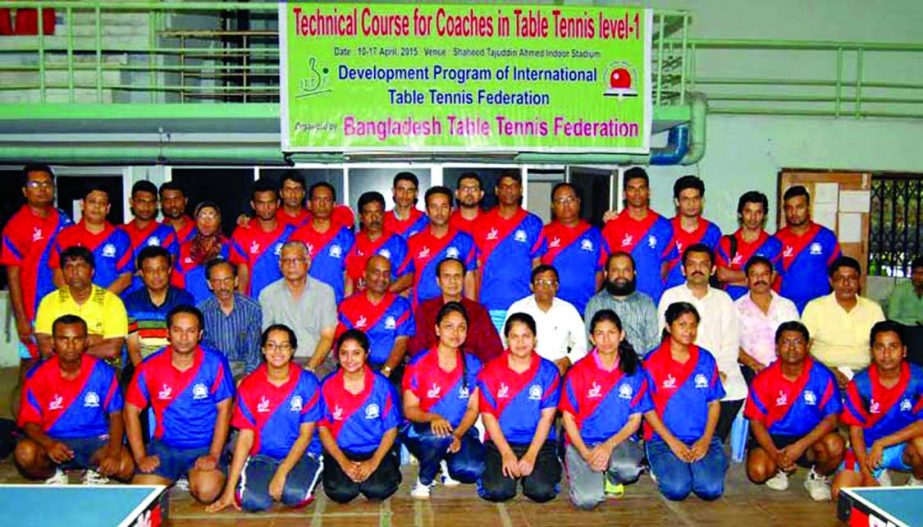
x,y
718,331
761,311
620,294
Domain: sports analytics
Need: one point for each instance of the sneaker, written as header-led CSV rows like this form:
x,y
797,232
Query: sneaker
x,y
914,481
58,478
778,482
91,477
420,491
885,479
613,490
817,486
447,480
182,483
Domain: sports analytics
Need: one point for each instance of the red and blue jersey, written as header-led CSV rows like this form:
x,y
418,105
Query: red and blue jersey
x,y
574,252
359,421
301,219
804,262
389,245
602,400
328,252
185,403
707,233
259,251
275,413
28,243
426,251
189,275
516,399
682,392
507,247
154,235
111,249
71,408
391,318
188,231
765,245
442,392
416,221
882,411
459,222
793,408
650,243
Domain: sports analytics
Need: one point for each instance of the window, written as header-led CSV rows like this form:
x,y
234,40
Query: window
x,y
895,223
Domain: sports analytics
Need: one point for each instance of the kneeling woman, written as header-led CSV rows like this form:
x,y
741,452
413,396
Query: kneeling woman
x,y
359,426
686,388
603,399
277,457
441,403
519,394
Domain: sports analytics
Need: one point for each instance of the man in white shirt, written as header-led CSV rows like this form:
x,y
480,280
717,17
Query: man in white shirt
x,y
561,334
761,312
719,330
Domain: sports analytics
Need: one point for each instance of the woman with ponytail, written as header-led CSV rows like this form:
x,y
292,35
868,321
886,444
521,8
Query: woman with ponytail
x,y
603,399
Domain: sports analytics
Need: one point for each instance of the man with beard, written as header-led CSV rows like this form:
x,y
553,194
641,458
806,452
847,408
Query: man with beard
x,y
173,204
372,240
807,249
634,308
718,330
750,240
468,196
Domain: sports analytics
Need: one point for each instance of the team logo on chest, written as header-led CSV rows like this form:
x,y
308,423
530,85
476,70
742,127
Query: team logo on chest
x,y
595,391
109,251
153,241
254,248
91,400
278,249
199,391
296,404
874,407
361,323
56,403
905,405
701,381
37,234
503,392
337,414
310,248
737,260
520,236
782,399
372,411
493,234
626,241
788,252
810,398
263,406
652,241
335,251
586,245
554,243
434,392
452,252
390,323
463,392
625,391
535,392
816,249
670,381
165,393
424,253
385,253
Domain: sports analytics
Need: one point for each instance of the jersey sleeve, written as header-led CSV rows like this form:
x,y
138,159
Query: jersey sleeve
x,y
126,263
552,394
311,409
831,401
487,404
642,402
854,412
568,401
114,402
237,254
242,418
13,248
406,325
223,388
391,416
755,408
137,394
715,387
326,418
30,410
402,263
723,251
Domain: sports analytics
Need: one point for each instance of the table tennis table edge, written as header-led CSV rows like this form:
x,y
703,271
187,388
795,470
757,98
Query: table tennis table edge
x,y
852,493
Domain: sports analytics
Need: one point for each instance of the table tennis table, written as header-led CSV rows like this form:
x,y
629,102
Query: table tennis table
x,y
83,505
881,506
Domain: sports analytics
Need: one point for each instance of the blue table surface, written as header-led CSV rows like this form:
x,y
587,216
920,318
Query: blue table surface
x,y
905,504
72,505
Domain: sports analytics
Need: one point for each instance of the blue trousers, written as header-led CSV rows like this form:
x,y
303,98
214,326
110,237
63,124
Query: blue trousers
x,y
466,465
677,479
253,488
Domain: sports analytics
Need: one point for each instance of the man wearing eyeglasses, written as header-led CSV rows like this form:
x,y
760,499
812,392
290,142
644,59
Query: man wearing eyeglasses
x,y
561,338
28,240
233,321
468,197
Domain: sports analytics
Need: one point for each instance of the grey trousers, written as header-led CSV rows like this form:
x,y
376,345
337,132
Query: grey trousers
x,y
587,486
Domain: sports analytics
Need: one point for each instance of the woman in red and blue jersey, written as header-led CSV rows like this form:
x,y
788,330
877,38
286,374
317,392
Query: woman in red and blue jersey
x,y
683,451
358,426
519,394
604,397
441,405
277,456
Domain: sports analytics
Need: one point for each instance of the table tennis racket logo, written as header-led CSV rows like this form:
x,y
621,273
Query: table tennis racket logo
x,y
503,392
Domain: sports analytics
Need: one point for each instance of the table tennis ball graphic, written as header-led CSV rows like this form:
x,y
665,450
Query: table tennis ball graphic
x,y
620,79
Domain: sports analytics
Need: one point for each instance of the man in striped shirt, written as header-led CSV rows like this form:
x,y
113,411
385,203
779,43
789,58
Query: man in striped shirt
x,y
233,322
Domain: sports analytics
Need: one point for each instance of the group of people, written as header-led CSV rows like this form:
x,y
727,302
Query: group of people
x,y
497,350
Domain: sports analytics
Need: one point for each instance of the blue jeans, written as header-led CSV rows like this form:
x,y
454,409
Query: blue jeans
x,y
253,488
466,465
677,479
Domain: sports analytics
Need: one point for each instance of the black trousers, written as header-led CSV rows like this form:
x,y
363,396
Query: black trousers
x,y
729,410
379,486
539,486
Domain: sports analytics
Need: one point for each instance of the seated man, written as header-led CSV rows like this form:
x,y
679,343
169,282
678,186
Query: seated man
x,y
792,407
189,389
883,407
71,413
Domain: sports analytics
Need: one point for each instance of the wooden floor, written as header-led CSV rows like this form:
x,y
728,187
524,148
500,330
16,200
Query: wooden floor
x,y
744,504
